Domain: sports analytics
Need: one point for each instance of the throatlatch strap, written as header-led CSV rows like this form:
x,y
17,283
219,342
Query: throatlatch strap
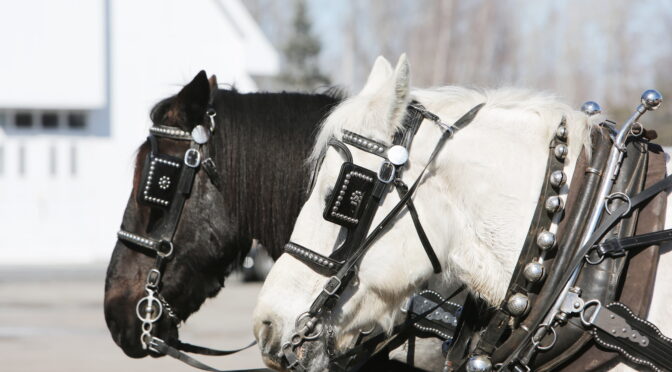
x,y
402,189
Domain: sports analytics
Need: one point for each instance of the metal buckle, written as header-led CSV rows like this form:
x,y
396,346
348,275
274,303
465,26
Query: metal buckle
x,y
333,281
153,343
153,278
192,158
386,165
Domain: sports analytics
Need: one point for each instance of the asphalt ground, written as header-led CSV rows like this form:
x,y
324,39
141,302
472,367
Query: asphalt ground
x,y
51,319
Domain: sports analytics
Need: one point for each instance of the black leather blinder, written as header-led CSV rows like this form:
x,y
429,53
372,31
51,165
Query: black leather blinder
x,y
351,193
160,176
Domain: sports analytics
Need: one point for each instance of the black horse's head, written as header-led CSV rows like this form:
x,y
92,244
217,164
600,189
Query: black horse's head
x,y
199,263
259,147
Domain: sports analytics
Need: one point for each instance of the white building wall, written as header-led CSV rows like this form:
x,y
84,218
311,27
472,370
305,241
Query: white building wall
x,y
149,49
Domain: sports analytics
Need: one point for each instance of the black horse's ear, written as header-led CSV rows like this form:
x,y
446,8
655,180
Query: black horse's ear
x,y
192,101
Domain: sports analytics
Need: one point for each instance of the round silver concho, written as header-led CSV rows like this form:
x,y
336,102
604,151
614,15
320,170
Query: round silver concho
x,y
200,135
479,363
397,155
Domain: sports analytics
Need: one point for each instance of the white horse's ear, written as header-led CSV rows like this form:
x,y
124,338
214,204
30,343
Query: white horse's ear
x,y
381,71
402,91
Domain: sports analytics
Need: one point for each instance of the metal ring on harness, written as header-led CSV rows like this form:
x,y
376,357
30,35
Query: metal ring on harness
x,y
537,343
149,309
303,322
637,129
160,248
617,195
590,261
590,321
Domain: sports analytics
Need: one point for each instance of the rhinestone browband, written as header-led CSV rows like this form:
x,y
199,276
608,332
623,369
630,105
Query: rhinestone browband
x,y
170,132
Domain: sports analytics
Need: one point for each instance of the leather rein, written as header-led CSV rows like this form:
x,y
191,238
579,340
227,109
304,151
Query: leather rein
x,y
167,184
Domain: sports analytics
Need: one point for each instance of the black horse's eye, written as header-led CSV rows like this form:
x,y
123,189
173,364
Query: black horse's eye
x,y
328,194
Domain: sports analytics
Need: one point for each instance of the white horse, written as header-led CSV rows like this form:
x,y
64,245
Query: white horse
x,y
475,203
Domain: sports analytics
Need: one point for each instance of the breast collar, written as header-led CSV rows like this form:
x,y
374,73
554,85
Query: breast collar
x,y
166,184
362,190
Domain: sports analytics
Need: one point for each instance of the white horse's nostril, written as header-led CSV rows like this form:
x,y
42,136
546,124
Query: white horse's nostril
x,y
267,336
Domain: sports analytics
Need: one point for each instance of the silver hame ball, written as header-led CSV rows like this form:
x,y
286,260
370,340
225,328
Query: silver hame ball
x,y
651,99
554,204
479,363
561,151
517,304
558,178
533,272
561,132
591,108
545,240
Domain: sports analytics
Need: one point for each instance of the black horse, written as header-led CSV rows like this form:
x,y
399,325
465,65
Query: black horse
x,y
261,142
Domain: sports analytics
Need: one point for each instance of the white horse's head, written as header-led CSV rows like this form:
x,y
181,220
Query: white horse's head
x,y
475,204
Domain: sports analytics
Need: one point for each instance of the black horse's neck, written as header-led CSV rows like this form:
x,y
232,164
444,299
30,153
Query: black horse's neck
x,y
263,141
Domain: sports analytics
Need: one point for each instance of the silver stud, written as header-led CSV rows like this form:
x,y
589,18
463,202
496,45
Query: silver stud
x,y
479,363
517,304
560,151
554,204
397,155
545,240
558,178
533,272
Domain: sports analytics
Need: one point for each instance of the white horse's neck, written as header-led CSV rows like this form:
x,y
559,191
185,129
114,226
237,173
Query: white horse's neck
x,y
488,178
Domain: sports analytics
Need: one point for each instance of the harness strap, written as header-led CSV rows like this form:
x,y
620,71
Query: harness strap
x,y
402,189
618,246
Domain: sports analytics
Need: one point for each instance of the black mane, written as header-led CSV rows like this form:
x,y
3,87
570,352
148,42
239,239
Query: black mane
x,y
265,142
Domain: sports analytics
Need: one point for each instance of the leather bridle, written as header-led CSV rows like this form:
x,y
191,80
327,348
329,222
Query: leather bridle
x,y
341,265
166,184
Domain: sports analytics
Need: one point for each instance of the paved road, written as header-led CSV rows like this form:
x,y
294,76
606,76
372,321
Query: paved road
x,y
52,320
